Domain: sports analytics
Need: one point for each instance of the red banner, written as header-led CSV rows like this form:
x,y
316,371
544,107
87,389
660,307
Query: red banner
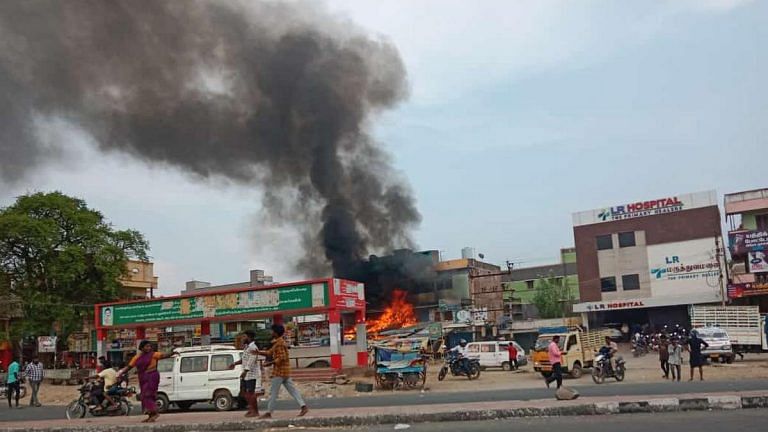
x,y
747,289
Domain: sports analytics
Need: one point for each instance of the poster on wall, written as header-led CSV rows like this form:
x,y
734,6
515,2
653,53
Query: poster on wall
x,y
685,269
758,262
746,241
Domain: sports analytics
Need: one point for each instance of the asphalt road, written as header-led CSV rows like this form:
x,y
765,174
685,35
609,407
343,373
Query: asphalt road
x,y
701,421
407,398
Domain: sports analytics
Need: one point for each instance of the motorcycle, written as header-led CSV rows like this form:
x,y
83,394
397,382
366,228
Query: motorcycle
x,y
602,369
22,391
79,407
639,347
453,363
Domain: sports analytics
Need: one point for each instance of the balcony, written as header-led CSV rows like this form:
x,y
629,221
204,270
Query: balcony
x,y
742,202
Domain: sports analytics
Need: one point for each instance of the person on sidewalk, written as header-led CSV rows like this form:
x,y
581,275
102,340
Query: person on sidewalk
x,y
145,363
664,356
34,374
13,383
250,378
555,357
281,373
675,359
512,356
695,343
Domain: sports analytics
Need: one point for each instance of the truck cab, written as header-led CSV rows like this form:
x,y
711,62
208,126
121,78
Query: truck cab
x,y
577,348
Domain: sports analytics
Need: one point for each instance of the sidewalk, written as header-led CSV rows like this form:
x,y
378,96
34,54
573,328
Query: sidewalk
x,y
234,421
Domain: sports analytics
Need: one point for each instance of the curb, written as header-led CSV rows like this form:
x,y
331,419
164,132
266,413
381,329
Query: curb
x,y
727,402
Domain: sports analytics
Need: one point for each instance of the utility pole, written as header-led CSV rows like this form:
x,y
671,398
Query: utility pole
x,y
720,269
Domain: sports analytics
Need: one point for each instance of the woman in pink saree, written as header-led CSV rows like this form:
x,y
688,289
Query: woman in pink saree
x,y
145,362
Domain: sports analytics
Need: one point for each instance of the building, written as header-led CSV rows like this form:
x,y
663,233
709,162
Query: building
x,y
140,280
200,287
747,218
647,261
520,286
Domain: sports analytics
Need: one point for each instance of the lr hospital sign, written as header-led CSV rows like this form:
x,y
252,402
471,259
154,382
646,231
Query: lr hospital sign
x,y
643,208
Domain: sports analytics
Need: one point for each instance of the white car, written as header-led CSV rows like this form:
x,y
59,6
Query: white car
x,y
495,354
199,374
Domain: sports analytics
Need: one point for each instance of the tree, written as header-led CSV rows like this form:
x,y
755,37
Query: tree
x,y
552,297
60,257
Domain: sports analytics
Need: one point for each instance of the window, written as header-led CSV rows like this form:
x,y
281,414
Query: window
x,y
762,222
473,348
221,362
165,365
627,239
608,284
604,242
630,282
194,364
529,285
488,348
571,342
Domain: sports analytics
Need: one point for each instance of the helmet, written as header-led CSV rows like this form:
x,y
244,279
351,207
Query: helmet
x,y
463,342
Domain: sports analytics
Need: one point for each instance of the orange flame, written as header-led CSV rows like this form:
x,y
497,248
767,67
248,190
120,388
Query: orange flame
x,y
397,315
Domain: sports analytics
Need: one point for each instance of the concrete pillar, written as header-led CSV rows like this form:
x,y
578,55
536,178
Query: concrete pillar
x,y
101,343
334,328
361,339
205,333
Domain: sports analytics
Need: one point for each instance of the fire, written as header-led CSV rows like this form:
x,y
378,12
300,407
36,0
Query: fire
x,y
398,314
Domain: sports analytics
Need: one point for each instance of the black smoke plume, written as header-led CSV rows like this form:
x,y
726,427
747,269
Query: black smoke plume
x,y
278,95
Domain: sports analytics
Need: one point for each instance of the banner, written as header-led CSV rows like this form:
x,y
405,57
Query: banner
x,y
747,290
742,242
758,262
46,344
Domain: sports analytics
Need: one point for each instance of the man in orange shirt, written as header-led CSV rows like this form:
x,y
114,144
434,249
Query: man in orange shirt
x,y
281,372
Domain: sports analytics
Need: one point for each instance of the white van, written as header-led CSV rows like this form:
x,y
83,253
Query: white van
x,y
495,354
199,374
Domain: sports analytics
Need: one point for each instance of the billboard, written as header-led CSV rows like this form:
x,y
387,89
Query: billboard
x,y
642,208
747,289
758,262
742,242
279,299
688,269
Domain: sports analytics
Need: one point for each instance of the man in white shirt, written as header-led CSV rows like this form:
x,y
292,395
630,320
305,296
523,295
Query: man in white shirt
x,y
251,376
463,352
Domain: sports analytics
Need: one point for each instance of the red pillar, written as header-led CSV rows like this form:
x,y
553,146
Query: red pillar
x,y
361,339
205,328
334,328
141,334
278,319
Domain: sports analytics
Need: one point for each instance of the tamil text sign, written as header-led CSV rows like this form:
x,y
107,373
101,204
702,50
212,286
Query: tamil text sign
x,y
747,289
742,242
211,306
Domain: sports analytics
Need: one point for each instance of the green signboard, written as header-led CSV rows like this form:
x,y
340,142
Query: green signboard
x,y
210,306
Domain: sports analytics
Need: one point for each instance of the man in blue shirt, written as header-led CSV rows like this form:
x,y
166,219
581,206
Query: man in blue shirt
x,y
13,382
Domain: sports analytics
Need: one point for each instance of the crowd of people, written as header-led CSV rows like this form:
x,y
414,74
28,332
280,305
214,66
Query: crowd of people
x,y
671,355
15,376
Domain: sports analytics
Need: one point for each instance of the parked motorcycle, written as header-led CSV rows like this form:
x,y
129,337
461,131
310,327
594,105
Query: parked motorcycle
x,y
639,346
4,391
453,364
602,369
79,407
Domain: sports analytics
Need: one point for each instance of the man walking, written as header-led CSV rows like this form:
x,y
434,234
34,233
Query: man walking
x,y
512,356
695,343
13,383
34,374
281,372
250,379
675,359
664,356
555,357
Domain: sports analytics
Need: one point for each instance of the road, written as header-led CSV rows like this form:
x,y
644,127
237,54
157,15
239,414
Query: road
x,y
702,421
416,398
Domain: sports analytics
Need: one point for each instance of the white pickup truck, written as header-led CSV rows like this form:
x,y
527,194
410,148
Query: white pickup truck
x,y
745,326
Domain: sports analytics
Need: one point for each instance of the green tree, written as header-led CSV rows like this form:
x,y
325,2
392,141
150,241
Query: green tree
x,y
60,257
552,297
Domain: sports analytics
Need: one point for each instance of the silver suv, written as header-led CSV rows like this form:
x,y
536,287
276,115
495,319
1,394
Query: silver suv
x,y
720,347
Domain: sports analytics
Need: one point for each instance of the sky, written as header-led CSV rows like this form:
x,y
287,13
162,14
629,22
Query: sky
x,y
520,113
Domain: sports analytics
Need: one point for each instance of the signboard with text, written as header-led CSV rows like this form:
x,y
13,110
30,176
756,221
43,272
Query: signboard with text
x,y
684,268
643,208
742,242
747,290
224,305
758,262
348,294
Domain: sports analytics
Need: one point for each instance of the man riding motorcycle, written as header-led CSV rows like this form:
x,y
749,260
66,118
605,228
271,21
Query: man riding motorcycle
x,y
609,349
463,355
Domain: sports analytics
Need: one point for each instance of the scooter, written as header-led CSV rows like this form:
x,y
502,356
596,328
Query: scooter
x,y
453,364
